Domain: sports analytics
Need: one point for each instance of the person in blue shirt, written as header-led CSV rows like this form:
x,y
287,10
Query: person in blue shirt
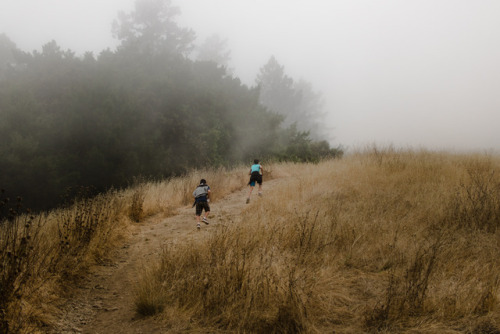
x,y
255,173
201,199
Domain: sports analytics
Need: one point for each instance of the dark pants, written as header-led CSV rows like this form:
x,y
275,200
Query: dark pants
x,y
200,206
255,177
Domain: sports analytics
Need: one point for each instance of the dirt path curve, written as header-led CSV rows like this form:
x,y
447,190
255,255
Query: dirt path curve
x,y
105,300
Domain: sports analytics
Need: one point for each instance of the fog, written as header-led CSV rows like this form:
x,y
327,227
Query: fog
x,y
421,74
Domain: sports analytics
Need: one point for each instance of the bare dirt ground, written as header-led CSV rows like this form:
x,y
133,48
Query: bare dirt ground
x,y
104,302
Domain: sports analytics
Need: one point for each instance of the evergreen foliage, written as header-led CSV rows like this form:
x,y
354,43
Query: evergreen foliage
x,y
296,101
143,110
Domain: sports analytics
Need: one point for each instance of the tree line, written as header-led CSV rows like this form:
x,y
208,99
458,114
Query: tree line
x,y
145,109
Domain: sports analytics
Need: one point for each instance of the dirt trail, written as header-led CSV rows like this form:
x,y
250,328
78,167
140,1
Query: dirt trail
x,y
105,300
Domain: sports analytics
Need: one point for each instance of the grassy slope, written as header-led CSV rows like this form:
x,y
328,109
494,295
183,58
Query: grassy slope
x,y
380,241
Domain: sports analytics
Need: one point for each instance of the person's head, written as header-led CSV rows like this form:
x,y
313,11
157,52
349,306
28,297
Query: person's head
x,y
256,161
203,181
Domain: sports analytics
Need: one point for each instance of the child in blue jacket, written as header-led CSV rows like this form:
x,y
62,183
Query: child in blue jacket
x,y
255,173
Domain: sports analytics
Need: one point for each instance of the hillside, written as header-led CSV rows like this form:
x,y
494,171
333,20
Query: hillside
x,y
381,241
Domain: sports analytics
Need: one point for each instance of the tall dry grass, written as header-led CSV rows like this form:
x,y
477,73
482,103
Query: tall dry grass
x,y
382,241
43,255
148,198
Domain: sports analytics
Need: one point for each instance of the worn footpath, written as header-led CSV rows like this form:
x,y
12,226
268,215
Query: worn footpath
x,y
104,302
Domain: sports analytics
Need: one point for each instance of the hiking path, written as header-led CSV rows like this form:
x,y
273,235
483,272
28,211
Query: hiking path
x,y
104,300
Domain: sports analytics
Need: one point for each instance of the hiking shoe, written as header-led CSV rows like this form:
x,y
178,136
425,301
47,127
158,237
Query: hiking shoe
x,y
205,220
248,200
198,226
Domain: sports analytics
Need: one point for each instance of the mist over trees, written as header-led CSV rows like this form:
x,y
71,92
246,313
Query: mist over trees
x,y
214,49
6,55
145,109
301,106
151,30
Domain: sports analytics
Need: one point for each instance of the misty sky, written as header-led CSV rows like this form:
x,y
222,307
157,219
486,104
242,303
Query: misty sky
x,y
420,73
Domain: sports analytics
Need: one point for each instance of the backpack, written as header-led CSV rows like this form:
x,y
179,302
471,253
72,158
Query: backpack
x,y
201,190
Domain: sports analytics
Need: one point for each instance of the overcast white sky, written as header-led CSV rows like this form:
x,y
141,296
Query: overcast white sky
x,y
411,73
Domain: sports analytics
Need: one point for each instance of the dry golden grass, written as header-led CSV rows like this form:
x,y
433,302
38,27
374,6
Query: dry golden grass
x,y
61,245
40,263
164,197
381,241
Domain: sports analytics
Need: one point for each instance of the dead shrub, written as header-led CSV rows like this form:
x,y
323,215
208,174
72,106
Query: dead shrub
x,y
476,203
136,211
406,291
19,259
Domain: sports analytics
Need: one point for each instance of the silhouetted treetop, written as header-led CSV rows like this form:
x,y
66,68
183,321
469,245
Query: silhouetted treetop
x,y
295,100
151,29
